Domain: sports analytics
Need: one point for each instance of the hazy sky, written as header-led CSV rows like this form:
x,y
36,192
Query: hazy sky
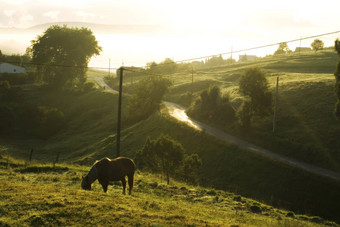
x,y
226,15
250,22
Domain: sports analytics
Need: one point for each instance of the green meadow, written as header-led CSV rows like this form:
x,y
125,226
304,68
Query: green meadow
x,y
236,188
43,195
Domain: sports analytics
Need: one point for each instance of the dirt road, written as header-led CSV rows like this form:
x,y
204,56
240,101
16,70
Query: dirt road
x,y
100,81
178,112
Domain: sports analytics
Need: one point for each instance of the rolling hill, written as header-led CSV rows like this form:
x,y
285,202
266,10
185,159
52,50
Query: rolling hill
x,y
306,131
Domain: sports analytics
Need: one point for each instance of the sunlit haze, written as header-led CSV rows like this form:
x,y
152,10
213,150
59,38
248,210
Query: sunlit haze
x,y
177,29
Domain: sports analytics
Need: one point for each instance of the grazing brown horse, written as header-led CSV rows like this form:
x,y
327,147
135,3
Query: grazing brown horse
x,y
107,170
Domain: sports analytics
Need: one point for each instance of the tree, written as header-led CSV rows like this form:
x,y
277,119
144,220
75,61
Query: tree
x,y
147,97
215,61
254,85
337,81
282,49
191,166
317,44
245,114
170,153
62,55
168,66
212,104
161,155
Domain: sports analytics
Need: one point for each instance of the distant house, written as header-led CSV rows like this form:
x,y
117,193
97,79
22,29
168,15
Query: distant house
x,y
246,57
9,68
302,49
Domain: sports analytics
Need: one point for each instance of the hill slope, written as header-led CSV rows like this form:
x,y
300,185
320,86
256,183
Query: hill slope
x,y
41,195
91,126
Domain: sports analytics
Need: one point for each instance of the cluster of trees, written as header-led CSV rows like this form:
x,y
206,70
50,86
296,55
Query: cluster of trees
x,y
61,56
15,59
253,85
168,66
147,97
211,104
337,81
217,60
166,155
20,60
283,49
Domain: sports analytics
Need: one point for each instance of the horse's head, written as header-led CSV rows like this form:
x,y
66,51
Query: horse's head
x,y
85,183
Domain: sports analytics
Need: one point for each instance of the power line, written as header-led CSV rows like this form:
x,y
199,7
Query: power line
x,y
252,48
183,60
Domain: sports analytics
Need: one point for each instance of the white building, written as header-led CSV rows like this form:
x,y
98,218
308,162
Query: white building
x,y
9,68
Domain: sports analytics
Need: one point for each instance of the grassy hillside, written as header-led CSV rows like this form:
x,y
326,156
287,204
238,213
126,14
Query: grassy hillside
x,y
40,195
306,130
306,127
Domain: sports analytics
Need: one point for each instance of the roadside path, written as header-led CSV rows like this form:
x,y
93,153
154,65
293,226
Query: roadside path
x,y
178,112
100,81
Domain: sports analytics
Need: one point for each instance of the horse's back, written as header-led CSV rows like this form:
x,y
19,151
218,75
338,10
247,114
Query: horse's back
x,y
125,164
118,167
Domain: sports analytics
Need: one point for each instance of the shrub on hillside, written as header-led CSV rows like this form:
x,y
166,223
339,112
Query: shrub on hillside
x,y
4,85
212,105
88,86
167,156
253,85
19,78
245,114
147,97
191,166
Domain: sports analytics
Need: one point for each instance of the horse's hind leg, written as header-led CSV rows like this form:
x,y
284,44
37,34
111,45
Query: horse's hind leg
x,y
130,181
124,185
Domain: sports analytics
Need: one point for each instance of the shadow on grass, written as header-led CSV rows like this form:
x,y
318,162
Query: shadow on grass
x,y
42,169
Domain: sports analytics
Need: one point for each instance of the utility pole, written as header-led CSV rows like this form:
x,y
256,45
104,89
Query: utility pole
x,y
231,55
300,45
192,75
121,69
275,104
109,66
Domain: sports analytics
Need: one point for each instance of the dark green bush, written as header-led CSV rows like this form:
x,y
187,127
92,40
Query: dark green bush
x,y
147,97
19,78
167,156
89,86
212,105
4,85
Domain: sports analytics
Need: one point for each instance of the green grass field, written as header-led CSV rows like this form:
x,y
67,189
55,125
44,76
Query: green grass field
x,y
40,195
306,131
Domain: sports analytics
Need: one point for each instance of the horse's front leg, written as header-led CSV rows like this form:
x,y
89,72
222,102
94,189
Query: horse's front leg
x,y
124,185
104,184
